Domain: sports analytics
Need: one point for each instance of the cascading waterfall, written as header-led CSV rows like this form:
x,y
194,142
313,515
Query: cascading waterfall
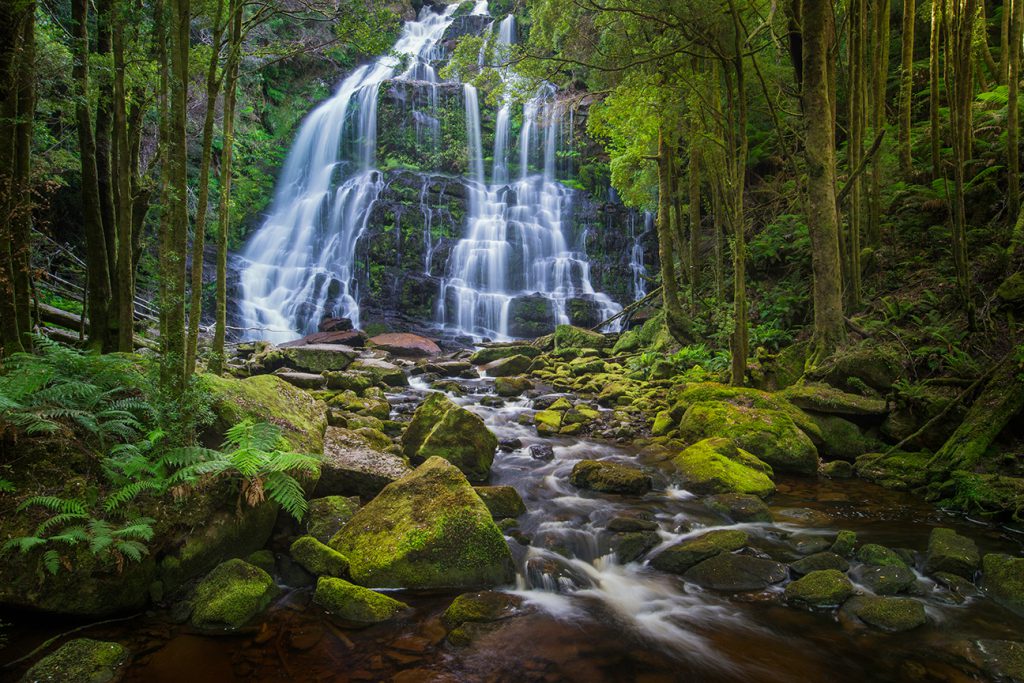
x,y
636,254
299,265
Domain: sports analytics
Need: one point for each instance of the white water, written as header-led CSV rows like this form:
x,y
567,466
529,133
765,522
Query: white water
x,y
299,266
636,254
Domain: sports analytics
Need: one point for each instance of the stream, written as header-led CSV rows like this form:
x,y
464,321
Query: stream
x,y
587,616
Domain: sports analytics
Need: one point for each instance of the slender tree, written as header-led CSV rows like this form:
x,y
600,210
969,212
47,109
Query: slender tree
x,y
906,86
934,75
21,217
878,83
1015,10
674,316
123,199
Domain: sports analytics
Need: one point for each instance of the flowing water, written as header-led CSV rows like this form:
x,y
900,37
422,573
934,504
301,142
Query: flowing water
x,y
591,618
298,267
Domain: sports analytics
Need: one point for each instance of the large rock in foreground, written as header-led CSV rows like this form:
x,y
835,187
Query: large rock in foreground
x,y
441,428
429,529
716,465
232,594
83,660
352,466
1003,580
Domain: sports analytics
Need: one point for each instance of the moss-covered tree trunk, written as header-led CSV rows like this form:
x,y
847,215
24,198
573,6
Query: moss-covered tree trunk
x,y
906,86
737,146
934,54
693,188
857,117
879,78
675,318
1012,63
21,217
104,87
819,153
123,188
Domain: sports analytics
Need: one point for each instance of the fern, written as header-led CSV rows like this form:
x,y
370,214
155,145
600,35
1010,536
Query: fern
x,y
54,503
6,486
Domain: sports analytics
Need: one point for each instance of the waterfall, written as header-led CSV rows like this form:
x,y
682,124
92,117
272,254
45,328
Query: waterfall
x,y
298,266
636,254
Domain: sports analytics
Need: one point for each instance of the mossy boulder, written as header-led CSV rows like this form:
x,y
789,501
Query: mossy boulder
x,y
327,515
730,572
355,604
951,553
630,546
821,588
492,353
886,579
373,403
888,614
504,502
1003,580
842,440
900,471
609,477
998,660
506,367
876,367
819,561
845,544
681,556
685,395
739,507
381,371
349,380
301,417
441,428
826,399
317,558
318,358
353,467
768,434
716,465
82,660
231,595
429,529
569,337
1011,290
547,421
837,469
512,386
879,555
483,606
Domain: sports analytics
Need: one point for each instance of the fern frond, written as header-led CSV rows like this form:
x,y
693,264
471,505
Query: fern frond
x,y
55,503
51,560
59,520
287,492
23,544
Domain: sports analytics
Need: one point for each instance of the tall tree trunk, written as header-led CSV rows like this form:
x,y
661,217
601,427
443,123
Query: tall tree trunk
x,y
213,82
906,86
174,230
98,275
123,196
934,53
693,186
960,87
235,8
1005,56
674,317
1016,12
819,151
104,156
737,146
857,103
879,80
22,217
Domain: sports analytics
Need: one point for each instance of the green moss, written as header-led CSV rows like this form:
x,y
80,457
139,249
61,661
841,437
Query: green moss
x,y
232,594
822,588
504,502
441,428
428,529
845,544
681,556
355,604
879,555
823,398
898,470
506,367
1003,580
547,421
569,337
512,386
81,660
887,614
327,515
493,353
372,403
684,396
951,553
609,477
317,558
716,465
484,606
264,559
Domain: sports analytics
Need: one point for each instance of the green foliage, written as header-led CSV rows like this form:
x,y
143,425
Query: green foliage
x,y
252,455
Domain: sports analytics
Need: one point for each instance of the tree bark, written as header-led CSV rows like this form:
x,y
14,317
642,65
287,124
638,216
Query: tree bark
x,y
123,196
98,295
819,152
1016,12
906,86
674,317
879,80
693,186
934,50
21,219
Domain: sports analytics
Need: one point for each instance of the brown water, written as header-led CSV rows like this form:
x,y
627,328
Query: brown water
x,y
593,619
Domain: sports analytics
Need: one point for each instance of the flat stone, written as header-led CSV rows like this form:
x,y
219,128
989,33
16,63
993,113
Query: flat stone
x,y
352,467
886,579
818,562
888,614
317,358
734,573
405,344
681,556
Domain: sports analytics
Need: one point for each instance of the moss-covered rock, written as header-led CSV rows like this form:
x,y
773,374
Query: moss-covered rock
x,y
512,386
483,606
899,470
951,553
837,469
492,353
845,544
504,502
997,660
317,558
888,614
441,428
739,507
349,380
823,398
842,439
874,366
355,604
427,530
373,403
879,555
301,417
327,515
609,477
685,395
734,573
264,559
547,421
821,588
506,367
81,660
381,371
770,435
231,595
716,465
681,556
569,337
1003,579
1011,290
886,579
351,466
318,358
630,546
819,561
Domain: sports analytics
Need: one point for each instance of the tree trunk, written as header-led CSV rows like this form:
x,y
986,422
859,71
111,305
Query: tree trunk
x,y
934,48
123,196
693,186
235,8
174,229
1012,61
98,295
21,219
819,151
857,103
737,146
213,82
104,156
906,86
1005,56
674,317
879,80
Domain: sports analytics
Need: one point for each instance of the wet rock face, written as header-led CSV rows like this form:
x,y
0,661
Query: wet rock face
x,y
734,573
609,477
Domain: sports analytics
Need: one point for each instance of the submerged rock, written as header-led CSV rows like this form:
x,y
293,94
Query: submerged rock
x,y
352,466
716,465
681,556
951,553
82,660
429,529
733,573
504,502
609,477
821,588
999,660
355,604
888,614
231,595
441,428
